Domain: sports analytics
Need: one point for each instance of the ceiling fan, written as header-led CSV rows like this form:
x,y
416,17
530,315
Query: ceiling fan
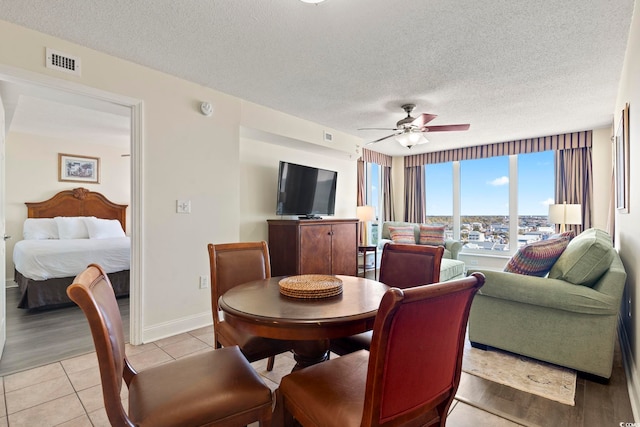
x,y
409,131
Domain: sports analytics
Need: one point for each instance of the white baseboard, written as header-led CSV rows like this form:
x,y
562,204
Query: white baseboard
x,y
633,382
175,327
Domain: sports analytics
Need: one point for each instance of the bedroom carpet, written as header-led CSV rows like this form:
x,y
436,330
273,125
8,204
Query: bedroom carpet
x,y
40,337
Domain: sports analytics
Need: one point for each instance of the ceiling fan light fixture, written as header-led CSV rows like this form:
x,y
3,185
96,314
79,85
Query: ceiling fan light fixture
x,y
411,138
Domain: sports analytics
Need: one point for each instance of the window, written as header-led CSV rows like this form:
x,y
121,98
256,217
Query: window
x,y
484,204
439,196
536,181
499,197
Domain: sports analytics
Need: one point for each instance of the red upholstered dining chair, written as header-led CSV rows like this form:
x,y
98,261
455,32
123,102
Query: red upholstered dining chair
x,y
401,266
398,382
215,388
233,264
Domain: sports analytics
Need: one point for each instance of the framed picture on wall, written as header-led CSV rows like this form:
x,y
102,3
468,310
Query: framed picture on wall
x,y
78,168
622,162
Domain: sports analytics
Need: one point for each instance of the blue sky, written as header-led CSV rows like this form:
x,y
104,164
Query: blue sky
x,y
485,186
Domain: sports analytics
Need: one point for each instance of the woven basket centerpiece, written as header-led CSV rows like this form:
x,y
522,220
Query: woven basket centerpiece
x,y
310,286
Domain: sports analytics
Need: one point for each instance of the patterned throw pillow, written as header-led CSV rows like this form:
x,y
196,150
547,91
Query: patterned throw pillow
x,y
403,235
431,235
537,258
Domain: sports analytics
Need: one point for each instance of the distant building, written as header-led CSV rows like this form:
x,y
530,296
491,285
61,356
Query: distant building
x,y
476,236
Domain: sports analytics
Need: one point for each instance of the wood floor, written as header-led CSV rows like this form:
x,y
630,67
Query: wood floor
x,y
42,337
39,337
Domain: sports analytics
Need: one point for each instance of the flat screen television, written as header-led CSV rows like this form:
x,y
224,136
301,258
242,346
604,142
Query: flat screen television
x,y
306,191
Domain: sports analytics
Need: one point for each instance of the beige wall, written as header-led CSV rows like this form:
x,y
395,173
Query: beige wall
x,y
184,156
259,163
31,174
627,236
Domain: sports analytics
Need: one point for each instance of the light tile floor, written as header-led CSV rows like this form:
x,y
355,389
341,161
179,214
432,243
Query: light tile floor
x,y
68,393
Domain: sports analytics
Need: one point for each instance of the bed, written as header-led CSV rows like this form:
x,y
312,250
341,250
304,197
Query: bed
x,y
62,236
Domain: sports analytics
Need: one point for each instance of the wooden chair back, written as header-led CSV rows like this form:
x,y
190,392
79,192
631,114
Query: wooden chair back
x,y
404,266
92,291
235,263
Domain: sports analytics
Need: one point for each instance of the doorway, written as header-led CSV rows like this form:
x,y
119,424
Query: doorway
x,y
85,96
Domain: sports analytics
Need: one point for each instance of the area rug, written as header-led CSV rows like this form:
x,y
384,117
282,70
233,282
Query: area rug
x,y
522,373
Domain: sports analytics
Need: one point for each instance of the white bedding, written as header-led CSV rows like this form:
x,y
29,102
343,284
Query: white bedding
x,y
55,258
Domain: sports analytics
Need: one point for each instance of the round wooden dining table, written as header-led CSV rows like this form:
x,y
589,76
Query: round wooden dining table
x,y
258,307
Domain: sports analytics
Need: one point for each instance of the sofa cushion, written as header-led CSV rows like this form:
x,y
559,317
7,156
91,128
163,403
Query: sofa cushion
x,y
431,235
586,258
537,258
402,235
451,269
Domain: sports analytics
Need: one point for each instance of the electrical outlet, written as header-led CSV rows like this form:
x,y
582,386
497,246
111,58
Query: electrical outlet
x,y
204,282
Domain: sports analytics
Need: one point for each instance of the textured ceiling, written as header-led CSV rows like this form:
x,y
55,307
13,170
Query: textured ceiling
x,y
511,68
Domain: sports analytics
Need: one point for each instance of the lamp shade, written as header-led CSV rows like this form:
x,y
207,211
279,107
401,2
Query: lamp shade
x,y
365,213
411,138
565,214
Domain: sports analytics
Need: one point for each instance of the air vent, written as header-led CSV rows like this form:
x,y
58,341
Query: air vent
x,y
328,136
63,62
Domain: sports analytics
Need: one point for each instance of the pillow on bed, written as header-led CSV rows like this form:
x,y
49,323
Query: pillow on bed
x,y
40,229
104,228
72,227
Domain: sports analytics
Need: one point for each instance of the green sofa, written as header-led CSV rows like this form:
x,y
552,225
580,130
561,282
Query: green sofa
x,y
450,268
568,318
451,247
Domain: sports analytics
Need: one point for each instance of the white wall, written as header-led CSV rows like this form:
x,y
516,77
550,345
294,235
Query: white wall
x,y
627,236
259,181
31,174
185,156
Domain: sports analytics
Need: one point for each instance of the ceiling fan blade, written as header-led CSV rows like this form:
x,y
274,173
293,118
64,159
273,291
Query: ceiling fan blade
x,y
383,138
378,129
444,128
423,119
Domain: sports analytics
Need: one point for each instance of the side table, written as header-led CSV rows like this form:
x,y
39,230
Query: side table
x,y
364,250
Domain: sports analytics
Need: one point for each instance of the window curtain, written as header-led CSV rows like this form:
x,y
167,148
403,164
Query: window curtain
x,y
388,212
532,145
414,194
385,162
360,198
574,183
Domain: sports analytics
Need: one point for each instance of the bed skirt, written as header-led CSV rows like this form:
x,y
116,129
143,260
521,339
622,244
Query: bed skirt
x,y
51,293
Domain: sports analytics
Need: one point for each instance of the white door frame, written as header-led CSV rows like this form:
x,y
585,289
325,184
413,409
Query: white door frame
x,y
16,75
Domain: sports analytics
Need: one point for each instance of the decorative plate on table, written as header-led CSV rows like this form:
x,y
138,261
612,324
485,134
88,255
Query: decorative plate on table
x,y
310,286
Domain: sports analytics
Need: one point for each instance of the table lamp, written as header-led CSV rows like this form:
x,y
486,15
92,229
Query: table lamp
x,y
365,214
565,214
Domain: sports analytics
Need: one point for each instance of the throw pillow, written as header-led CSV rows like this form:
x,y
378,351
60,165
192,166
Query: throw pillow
x,y
403,235
537,258
587,257
431,235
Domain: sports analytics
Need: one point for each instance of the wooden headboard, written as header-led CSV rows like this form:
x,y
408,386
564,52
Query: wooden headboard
x,y
78,202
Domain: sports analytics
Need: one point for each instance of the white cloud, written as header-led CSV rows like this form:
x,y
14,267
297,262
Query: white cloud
x,y
503,180
547,202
